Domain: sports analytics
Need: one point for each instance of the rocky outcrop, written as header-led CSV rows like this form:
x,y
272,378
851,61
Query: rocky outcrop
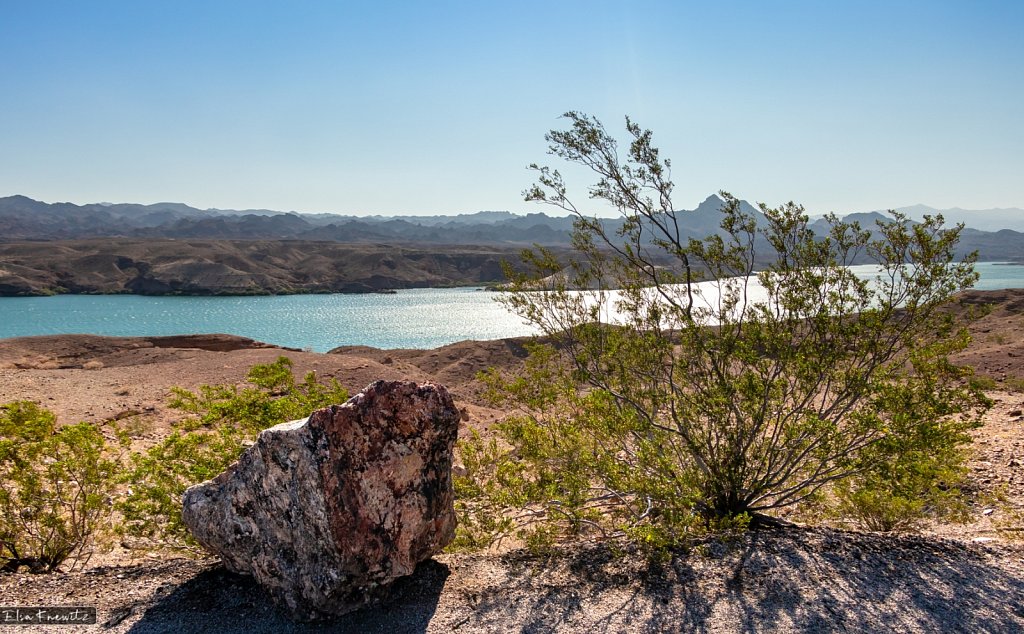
x,y
323,511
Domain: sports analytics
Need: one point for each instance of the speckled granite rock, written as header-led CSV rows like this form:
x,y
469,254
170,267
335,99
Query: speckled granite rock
x,y
325,510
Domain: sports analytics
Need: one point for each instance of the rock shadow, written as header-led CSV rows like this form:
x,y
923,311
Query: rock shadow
x,y
217,600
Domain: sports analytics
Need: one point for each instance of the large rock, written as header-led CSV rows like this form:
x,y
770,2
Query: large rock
x,y
325,510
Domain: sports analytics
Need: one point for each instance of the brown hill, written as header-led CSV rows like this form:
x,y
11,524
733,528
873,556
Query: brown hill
x,y
238,267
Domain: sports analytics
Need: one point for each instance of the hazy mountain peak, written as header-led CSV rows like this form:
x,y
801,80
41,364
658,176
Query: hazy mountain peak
x,y
981,219
868,218
18,198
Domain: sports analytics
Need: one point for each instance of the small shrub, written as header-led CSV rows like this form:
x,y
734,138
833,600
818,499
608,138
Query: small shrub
x,y
1014,384
224,420
479,504
983,382
55,488
1009,522
568,464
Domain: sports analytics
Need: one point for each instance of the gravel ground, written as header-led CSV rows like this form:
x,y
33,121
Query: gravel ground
x,y
788,580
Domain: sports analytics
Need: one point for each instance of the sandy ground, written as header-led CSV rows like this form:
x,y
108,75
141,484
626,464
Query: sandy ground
x,y
967,577
90,378
797,580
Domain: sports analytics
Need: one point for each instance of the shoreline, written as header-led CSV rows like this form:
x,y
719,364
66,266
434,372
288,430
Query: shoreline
x,y
482,286
348,288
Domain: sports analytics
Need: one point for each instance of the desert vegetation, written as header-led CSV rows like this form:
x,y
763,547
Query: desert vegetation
x,y
805,574
66,490
56,486
741,375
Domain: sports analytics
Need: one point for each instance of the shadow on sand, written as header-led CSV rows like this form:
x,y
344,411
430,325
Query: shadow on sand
x,y
814,581
807,580
219,601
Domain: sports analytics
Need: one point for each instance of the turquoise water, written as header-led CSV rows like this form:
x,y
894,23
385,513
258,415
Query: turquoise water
x,y
420,318
995,276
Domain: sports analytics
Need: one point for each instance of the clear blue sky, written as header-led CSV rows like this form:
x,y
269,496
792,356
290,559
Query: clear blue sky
x,y
436,107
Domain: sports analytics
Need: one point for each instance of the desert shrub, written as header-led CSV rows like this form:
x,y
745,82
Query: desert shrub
x,y
988,383
223,420
1008,521
913,472
562,477
481,497
1014,384
672,407
56,485
983,382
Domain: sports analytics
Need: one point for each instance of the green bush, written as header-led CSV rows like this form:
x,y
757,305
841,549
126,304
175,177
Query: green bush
x,y
541,489
913,472
983,382
787,375
224,420
55,488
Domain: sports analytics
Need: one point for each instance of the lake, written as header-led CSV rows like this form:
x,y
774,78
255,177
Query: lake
x,y
417,318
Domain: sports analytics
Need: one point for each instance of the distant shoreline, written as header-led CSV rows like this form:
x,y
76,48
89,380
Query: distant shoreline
x,y
238,268
243,268
482,286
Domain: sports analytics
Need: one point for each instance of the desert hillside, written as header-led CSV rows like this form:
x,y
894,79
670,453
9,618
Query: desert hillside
x,y
238,267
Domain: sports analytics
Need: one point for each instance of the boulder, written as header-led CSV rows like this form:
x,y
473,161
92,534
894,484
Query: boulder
x,y
325,511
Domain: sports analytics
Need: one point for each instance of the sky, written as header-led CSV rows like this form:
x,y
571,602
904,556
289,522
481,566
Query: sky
x,y
438,107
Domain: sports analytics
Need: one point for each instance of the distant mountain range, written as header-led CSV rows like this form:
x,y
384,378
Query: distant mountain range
x,y
22,218
979,219
996,233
